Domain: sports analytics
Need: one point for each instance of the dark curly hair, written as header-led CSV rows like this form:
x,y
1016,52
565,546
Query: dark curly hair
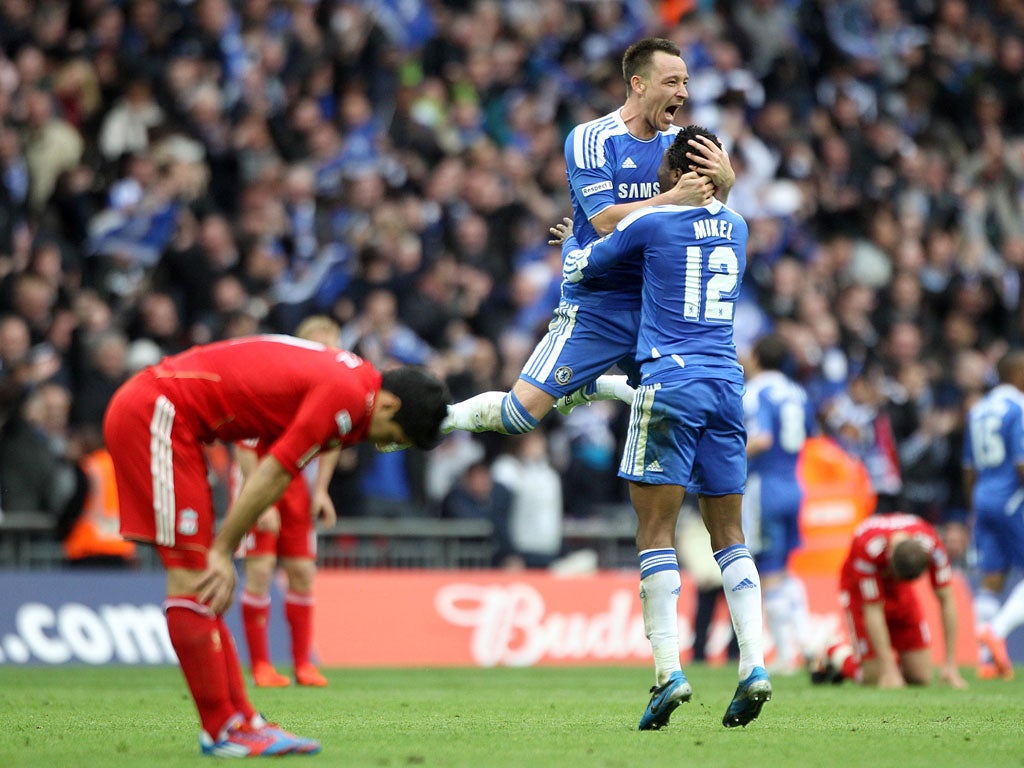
x,y
425,400
676,152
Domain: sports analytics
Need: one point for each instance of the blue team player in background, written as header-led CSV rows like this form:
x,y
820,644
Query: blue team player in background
x,y
994,479
686,428
779,419
612,165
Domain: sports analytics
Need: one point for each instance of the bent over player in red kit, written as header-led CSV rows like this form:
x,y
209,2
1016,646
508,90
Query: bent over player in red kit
x,y
285,536
886,620
299,398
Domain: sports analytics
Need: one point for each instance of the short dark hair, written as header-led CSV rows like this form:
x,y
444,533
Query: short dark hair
x,y
425,400
1009,365
677,159
637,58
771,352
909,559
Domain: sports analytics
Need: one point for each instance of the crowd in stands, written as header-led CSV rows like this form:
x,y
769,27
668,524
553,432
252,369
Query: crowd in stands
x,y
178,171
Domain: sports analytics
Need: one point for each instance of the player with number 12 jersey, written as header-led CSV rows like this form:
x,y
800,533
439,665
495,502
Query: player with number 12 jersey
x,y
693,262
686,431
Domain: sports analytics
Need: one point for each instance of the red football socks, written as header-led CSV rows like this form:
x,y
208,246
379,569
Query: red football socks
x,y
197,639
255,616
233,672
298,609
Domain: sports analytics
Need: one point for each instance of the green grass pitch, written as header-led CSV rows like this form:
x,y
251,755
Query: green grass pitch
x,y
512,718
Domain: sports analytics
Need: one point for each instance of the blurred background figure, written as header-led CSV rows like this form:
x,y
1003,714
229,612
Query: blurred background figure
x,y
38,462
994,482
713,643
92,538
285,538
476,496
778,418
859,420
535,523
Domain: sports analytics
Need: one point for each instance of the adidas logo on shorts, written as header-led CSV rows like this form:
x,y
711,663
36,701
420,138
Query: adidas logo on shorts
x,y
654,466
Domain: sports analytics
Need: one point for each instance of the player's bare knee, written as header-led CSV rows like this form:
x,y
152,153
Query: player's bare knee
x,y
917,675
533,399
300,573
259,571
916,667
655,532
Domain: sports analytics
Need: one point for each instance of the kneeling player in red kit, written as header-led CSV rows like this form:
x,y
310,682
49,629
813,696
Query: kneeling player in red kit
x,y
892,644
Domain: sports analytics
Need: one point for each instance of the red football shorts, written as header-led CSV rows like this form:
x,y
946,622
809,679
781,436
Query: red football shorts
x,y
297,537
163,493
908,629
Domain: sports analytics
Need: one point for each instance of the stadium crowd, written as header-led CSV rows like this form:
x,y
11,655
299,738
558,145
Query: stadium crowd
x,y
178,171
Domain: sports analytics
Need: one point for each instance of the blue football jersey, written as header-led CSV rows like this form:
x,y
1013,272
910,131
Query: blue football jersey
x,y
693,264
776,406
607,165
994,448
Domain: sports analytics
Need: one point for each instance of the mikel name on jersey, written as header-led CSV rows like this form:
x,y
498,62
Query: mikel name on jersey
x,y
712,228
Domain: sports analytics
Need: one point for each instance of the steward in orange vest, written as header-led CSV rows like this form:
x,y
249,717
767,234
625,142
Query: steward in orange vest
x,y
95,537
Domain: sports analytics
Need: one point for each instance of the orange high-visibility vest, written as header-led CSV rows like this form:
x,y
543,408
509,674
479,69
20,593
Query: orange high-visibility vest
x,y
97,530
837,495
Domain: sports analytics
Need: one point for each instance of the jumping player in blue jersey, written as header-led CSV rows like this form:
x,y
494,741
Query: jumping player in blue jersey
x,y
779,418
612,165
686,422
994,479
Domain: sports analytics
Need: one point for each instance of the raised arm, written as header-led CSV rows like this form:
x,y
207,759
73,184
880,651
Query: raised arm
x,y
712,161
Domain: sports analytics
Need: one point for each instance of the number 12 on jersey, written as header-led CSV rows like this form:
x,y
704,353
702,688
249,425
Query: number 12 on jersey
x,y
721,291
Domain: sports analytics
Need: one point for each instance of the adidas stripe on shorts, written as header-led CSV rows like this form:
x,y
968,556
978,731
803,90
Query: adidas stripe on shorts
x,y
690,432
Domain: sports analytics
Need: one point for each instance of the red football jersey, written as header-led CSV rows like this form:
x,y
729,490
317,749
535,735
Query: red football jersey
x,y
297,397
864,572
